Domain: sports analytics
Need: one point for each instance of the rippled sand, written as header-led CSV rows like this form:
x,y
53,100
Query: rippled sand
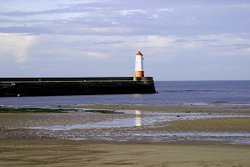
x,y
40,153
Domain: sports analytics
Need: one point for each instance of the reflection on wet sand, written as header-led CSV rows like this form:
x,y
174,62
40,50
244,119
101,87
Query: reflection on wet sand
x,y
138,120
125,125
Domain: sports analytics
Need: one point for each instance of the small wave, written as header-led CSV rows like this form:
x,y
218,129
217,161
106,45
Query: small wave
x,y
220,102
191,90
187,90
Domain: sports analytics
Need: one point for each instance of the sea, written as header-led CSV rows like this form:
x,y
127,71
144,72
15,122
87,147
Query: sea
x,y
168,92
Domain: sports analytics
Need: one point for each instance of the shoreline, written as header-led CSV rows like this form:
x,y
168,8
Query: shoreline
x,y
170,107
235,108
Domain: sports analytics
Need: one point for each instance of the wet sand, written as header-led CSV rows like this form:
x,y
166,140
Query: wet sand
x,y
42,153
132,123
207,125
22,145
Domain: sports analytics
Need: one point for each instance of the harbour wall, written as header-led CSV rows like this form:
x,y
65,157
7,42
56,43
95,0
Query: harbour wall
x,y
75,86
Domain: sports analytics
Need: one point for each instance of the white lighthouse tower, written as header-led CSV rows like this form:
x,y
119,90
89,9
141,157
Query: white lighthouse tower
x,y
139,72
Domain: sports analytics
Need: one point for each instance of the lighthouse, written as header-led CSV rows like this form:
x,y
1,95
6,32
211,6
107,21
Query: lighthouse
x,y
139,72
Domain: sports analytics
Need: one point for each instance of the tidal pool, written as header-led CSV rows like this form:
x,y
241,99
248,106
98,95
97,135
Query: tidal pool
x,y
131,125
136,118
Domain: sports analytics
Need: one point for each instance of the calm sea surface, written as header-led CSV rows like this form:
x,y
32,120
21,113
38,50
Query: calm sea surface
x,y
169,92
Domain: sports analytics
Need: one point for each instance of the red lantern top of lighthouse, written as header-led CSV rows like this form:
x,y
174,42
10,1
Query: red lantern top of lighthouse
x,y
138,53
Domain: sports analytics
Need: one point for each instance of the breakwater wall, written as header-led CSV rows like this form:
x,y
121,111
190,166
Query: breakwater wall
x,y
75,86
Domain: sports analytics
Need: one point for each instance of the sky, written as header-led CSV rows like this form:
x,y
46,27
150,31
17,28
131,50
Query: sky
x,y
180,40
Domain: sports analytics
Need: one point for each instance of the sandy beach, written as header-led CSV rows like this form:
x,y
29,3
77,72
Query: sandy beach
x,y
75,153
173,135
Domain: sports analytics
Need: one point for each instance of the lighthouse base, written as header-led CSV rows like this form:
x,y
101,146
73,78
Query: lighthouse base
x,y
139,74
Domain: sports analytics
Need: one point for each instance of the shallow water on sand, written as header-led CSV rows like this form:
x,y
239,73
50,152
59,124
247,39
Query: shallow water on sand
x,y
131,125
136,118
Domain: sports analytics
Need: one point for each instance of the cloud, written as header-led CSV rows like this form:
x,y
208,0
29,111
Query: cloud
x,y
153,16
95,55
131,12
214,44
116,17
191,45
155,41
15,45
163,10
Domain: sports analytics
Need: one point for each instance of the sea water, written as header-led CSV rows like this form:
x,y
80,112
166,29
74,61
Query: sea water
x,y
168,92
